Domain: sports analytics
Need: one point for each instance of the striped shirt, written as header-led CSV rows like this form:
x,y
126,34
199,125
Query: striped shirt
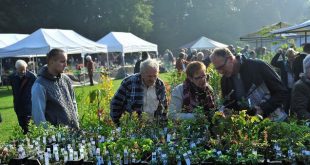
x,y
129,96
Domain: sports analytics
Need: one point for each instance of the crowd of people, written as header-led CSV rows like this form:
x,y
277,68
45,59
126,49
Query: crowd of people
x,y
246,83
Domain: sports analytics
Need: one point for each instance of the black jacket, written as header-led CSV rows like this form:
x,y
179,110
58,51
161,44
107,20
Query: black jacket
x,y
298,65
283,66
137,66
257,72
21,88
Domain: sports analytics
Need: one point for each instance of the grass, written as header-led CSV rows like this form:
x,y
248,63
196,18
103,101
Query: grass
x,y
9,119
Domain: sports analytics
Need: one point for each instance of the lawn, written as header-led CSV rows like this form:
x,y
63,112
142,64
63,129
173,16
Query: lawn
x,y
9,120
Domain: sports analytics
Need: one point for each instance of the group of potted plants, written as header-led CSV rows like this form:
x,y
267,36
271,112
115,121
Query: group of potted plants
x,y
214,138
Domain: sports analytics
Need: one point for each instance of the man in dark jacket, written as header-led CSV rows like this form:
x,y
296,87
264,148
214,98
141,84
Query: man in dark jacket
x,y
297,65
21,82
249,84
144,56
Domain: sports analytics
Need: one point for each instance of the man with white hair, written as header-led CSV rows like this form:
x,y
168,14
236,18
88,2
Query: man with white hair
x,y
21,82
141,92
300,103
90,69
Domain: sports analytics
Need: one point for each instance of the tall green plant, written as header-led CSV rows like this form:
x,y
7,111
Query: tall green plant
x,y
98,101
215,82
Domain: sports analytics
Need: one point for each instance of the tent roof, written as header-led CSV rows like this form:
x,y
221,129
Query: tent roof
x,y
264,32
43,40
299,28
9,39
126,42
203,43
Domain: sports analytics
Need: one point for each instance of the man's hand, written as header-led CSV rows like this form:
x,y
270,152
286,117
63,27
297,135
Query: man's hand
x,y
259,111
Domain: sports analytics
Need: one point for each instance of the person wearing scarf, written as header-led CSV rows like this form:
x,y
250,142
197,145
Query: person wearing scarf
x,y
192,93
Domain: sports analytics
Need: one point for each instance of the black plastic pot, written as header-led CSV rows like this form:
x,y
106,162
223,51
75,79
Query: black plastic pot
x,y
80,162
24,161
275,162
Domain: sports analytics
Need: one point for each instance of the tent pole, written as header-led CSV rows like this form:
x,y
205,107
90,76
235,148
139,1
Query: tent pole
x,y
35,60
108,66
123,58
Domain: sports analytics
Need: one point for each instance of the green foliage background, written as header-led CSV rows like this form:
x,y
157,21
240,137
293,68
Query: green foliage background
x,y
168,23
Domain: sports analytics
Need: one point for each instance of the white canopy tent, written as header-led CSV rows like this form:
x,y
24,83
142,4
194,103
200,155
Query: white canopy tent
x,y
9,39
126,43
40,42
203,43
299,28
44,40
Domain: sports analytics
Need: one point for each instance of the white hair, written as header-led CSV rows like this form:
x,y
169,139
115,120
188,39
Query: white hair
x,y
88,58
306,63
149,63
200,55
20,63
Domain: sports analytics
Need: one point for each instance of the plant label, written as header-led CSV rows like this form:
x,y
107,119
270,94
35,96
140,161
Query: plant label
x,y
153,156
219,153
44,140
76,155
125,156
53,138
46,158
56,157
168,137
98,151
239,154
187,160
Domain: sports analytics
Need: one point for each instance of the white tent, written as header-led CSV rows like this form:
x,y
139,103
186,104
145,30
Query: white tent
x,y
126,43
9,39
43,40
203,43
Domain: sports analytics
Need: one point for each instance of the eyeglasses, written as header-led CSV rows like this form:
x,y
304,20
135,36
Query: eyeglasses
x,y
222,66
200,77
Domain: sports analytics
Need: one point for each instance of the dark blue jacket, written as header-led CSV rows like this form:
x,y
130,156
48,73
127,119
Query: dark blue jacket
x,y
21,88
